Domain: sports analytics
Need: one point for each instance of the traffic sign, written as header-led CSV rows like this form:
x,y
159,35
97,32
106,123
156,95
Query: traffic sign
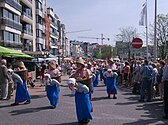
x,y
137,43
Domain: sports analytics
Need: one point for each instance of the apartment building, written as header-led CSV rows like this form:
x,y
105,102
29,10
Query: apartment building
x,y
30,26
53,32
64,42
40,25
27,19
10,26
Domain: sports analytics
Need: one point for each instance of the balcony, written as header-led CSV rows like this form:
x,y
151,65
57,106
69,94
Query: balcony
x,y
27,3
10,23
53,36
39,40
26,18
11,44
39,26
54,25
27,35
50,12
40,12
13,4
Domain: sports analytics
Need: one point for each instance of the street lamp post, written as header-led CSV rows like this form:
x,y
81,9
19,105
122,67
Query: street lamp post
x,y
155,41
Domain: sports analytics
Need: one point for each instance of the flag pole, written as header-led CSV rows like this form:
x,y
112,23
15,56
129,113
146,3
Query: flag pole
x,y
155,45
146,23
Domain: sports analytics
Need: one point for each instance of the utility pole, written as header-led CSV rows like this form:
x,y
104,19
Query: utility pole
x,y
101,46
155,41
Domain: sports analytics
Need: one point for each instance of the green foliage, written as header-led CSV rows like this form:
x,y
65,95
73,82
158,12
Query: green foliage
x,y
96,54
105,52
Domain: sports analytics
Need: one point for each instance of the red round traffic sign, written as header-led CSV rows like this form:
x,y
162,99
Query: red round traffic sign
x,y
137,43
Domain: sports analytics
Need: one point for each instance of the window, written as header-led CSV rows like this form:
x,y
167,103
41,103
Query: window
x,y
10,15
39,46
5,13
16,18
27,11
11,36
39,19
39,6
39,33
6,36
16,38
27,28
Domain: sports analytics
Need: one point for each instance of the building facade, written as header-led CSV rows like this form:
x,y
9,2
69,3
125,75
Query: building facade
x,y
10,26
53,32
27,19
29,26
40,25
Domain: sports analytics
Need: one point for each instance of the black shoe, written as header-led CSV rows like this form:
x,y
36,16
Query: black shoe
x,y
52,107
81,122
108,96
86,121
165,117
141,100
27,102
114,97
14,104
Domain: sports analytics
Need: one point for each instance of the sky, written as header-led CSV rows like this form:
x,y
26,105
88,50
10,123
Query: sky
x,y
103,17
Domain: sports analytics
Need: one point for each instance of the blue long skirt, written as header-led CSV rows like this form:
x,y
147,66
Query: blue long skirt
x,y
111,85
21,93
96,81
101,74
52,94
83,106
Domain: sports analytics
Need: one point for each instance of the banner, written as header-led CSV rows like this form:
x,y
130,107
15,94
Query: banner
x,y
142,21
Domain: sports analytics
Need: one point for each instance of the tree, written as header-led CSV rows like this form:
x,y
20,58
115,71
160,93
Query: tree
x,y
161,35
126,35
96,54
106,52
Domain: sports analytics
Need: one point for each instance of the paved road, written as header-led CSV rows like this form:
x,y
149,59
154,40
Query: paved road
x,y
123,111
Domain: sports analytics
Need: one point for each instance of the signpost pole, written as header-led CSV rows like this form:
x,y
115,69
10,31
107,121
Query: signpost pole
x,y
146,20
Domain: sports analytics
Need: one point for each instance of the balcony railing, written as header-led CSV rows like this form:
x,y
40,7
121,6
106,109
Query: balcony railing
x,y
28,32
54,24
13,3
54,34
10,23
27,15
11,44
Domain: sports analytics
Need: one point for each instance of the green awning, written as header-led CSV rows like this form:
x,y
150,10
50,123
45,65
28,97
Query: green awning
x,y
6,52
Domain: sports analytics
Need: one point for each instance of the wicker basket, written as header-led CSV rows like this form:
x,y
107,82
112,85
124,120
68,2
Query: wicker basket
x,y
22,74
58,78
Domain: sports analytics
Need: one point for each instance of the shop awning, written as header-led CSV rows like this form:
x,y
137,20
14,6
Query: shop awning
x,y
6,52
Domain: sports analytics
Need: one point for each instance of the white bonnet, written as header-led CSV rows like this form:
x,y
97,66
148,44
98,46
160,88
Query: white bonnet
x,y
71,81
109,70
48,75
10,70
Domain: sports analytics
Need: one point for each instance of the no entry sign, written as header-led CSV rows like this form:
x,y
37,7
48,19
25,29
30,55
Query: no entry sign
x,y
137,43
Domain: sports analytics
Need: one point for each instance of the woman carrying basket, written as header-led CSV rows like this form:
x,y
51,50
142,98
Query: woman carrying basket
x,y
19,77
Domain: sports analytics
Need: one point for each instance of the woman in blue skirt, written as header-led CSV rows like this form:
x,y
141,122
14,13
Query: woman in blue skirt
x,y
22,94
82,100
52,89
110,77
